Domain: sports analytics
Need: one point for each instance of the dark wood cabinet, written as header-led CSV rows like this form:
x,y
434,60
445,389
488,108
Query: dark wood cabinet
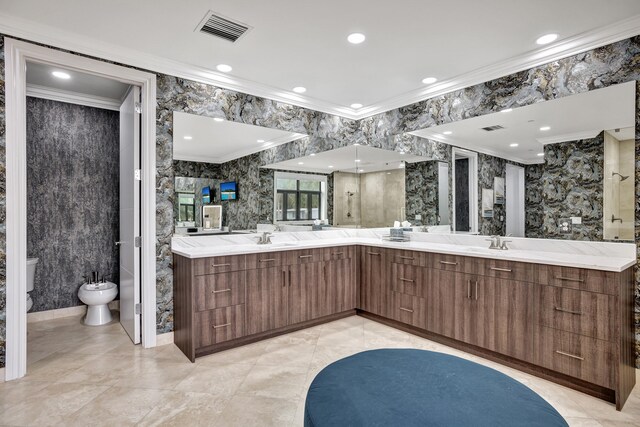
x,y
267,299
548,320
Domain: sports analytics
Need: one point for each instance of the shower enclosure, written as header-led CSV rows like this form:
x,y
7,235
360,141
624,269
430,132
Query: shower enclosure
x,y
619,185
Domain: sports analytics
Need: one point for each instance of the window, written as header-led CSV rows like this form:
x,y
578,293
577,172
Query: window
x,y
299,197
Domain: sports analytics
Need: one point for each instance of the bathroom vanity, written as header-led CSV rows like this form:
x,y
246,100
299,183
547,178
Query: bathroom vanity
x,y
563,317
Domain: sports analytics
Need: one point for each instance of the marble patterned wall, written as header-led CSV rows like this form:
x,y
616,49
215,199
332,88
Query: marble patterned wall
x,y
601,67
569,183
421,186
73,174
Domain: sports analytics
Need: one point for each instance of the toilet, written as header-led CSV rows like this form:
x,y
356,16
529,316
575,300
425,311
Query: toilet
x,y
31,274
96,296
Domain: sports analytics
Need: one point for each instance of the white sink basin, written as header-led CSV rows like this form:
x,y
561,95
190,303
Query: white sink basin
x,y
277,245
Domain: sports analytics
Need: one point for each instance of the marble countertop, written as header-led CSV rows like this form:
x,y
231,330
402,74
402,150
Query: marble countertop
x,y
591,255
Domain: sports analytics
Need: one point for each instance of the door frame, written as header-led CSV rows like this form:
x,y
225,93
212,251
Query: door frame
x,y
518,173
17,53
473,187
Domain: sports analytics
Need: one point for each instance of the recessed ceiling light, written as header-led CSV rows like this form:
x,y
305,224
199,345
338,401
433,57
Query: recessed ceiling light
x,y
188,137
447,132
513,145
356,106
402,153
301,163
299,89
361,170
61,75
357,160
330,167
356,144
388,173
545,128
546,39
540,154
506,110
261,140
224,68
218,119
429,80
312,154
356,38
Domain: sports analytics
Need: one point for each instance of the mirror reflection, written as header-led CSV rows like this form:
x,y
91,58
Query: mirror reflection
x,y
555,169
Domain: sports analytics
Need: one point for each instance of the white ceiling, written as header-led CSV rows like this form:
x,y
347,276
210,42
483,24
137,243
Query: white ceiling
x,y
220,141
344,160
39,75
570,118
303,43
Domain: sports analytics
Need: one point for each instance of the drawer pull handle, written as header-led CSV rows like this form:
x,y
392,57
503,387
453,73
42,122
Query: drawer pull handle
x,y
569,279
468,289
406,257
305,256
221,326
448,263
573,356
221,265
564,310
506,270
374,253
221,291
268,260
407,280
476,290
408,310
338,253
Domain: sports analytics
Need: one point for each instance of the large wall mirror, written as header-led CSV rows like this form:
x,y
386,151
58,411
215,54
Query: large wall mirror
x,y
556,169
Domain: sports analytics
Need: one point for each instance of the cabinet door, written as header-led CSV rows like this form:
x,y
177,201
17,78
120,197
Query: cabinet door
x,y
468,325
307,292
267,296
440,290
374,289
340,279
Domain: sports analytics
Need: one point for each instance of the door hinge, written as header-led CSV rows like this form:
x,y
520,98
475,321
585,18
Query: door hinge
x,y
138,107
138,242
137,174
138,308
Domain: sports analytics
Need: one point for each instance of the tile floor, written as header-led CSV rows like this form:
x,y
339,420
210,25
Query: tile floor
x,y
79,375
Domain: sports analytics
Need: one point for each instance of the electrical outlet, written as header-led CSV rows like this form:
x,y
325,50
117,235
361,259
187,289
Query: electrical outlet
x,y
418,216
564,225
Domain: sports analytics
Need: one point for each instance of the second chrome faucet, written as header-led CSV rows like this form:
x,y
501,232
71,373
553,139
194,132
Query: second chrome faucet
x,y
498,243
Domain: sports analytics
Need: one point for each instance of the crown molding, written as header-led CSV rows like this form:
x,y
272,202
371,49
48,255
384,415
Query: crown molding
x,y
48,35
37,91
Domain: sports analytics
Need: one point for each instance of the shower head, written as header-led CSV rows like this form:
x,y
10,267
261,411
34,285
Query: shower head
x,y
622,177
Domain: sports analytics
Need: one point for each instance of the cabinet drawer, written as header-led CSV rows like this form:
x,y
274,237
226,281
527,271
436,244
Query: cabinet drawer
x,y
605,282
408,309
410,257
509,269
585,313
339,252
265,260
222,324
219,290
304,256
582,357
408,279
218,264
446,262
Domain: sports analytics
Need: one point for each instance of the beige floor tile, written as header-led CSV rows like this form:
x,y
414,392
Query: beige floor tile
x,y
190,409
164,375
120,406
354,335
287,354
247,354
219,380
56,366
243,411
51,404
283,382
582,422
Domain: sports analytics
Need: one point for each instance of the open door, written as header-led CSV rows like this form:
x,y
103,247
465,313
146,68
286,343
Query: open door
x,y
130,215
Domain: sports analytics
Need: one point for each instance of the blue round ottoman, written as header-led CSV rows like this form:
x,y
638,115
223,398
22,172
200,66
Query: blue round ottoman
x,y
405,387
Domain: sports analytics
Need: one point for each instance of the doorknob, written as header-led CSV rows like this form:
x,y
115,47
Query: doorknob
x,y
119,243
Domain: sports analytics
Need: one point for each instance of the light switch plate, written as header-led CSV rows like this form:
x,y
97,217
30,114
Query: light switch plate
x,y
418,216
576,220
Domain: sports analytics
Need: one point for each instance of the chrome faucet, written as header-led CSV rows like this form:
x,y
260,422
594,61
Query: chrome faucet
x,y
498,243
265,239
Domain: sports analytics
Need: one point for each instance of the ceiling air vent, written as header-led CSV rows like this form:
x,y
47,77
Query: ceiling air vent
x,y
492,128
219,26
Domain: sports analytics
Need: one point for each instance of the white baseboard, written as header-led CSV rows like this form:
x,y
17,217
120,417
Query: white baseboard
x,y
164,339
39,316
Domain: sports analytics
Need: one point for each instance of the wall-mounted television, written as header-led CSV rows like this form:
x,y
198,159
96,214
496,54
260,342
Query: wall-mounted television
x,y
228,191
